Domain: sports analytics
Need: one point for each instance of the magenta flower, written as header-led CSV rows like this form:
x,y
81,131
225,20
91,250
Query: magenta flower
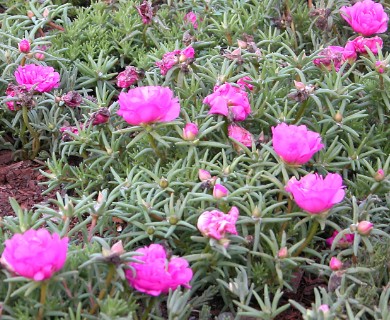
x,y
40,78
72,99
344,242
315,194
144,105
332,55
244,83
35,254
240,134
24,46
215,224
23,97
191,17
295,144
170,59
229,101
190,131
366,17
349,53
204,175
372,43
157,274
128,77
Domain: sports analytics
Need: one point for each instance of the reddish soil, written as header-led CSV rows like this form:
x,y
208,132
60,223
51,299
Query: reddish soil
x,y
20,180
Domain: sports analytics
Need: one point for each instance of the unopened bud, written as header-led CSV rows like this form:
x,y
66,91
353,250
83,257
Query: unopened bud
x,y
190,131
379,175
150,230
39,56
338,117
226,171
242,44
30,14
24,46
173,220
220,191
335,264
364,228
117,248
256,213
204,175
283,253
324,308
163,183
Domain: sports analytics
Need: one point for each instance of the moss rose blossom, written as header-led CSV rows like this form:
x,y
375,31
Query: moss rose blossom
x,y
40,78
149,104
157,274
35,254
316,194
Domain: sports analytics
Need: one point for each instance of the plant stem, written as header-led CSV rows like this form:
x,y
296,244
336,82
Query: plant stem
x,y
153,144
148,309
301,111
42,299
36,144
310,236
103,292
92,226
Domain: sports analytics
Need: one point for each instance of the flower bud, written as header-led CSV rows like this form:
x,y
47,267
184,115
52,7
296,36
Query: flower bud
x,y
204,175
335,264
190,131
39,56
283,253
150,230
379,176
381,66
338,117
173,220
364,228
256,213
117,248
163,183
24,46
242,44
324,308
220,191
72,99
30,14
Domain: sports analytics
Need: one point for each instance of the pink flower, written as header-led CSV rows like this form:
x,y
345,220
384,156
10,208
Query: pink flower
x,y
371,43
220,191
366,17
99,117
35,254
324,308
240,134
40,78
145,10
332,55
190,131
315,194
349,53
24,46
244,83
157,274
364,227
128,77
295,144
344,242
148,104
229,101
335,264
191,17
69,129
170,59
215,224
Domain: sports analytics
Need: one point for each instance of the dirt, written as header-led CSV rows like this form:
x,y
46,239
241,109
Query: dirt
x,y
20,180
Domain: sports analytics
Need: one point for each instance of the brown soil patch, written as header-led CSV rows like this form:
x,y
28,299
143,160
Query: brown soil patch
x,y
20,180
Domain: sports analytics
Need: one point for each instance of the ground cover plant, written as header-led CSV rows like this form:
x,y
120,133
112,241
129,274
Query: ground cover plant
x,y
201,159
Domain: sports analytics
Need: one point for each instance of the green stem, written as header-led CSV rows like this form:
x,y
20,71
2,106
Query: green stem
x,y
36,144
148,309
153,144
301,111
103,292
310,236
42,299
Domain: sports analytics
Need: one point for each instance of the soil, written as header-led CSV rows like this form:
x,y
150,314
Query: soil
x,y
20,180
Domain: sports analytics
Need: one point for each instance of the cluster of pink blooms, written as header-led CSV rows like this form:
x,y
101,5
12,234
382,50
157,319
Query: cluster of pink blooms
x,y
177,57
366,18
156,273
35,254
